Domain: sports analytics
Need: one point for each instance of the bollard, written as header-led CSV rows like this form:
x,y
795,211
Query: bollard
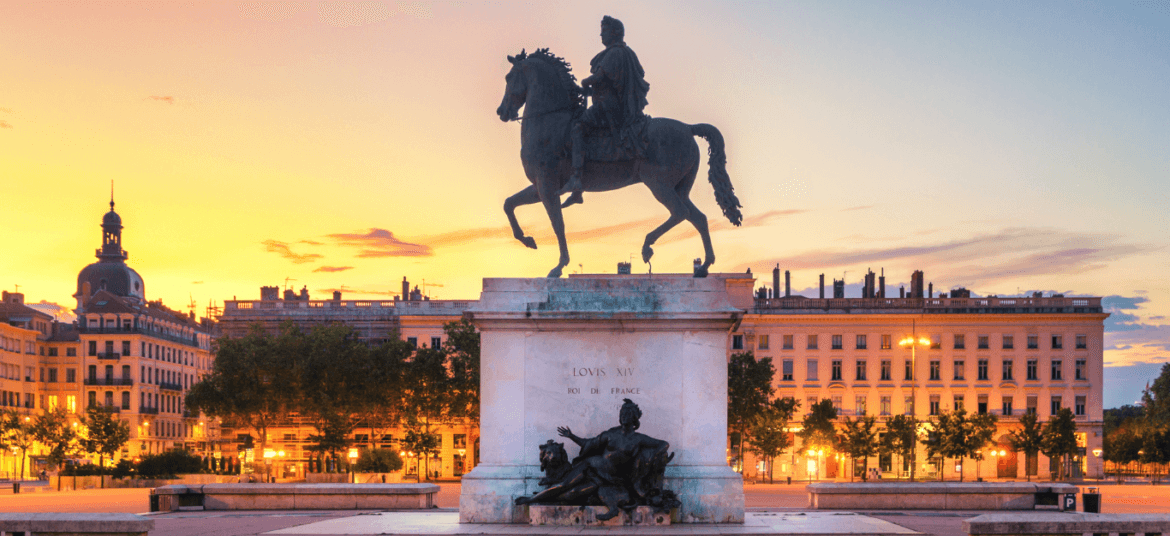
x,y
789,481
15,487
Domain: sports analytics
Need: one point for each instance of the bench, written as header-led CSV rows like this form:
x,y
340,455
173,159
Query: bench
x,y
937,495
48,523
293,497
1071,523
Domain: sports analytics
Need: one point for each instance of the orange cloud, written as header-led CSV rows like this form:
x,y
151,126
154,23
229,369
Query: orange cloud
x,y
165,98
381,243
332,269
5,124
282,249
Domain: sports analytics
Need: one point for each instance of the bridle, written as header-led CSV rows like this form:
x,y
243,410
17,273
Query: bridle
x,y
538,114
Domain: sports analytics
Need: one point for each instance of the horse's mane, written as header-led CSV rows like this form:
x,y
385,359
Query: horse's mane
x,y
564,72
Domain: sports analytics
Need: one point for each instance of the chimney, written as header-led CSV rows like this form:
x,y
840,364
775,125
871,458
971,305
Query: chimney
x,y
776,281
787,283
902,291
337,295
269,293
623,268
405,289
882,284
930,290
305,293
916,284
12,297
867,288
289,295
839,288
822,286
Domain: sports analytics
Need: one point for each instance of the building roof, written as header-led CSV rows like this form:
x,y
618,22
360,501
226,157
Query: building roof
x,y
106,302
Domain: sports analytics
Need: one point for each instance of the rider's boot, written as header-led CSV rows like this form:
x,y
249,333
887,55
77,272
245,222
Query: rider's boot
x,y
573,186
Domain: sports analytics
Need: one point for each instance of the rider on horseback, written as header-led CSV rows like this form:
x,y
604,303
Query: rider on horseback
x,y
618,88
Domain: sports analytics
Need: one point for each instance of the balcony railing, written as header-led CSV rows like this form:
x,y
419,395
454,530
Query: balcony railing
x,y
158,334
108,408
170,386
109,381
148,411
110,355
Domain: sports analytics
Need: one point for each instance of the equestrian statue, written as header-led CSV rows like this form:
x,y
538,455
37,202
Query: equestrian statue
x,y
569,148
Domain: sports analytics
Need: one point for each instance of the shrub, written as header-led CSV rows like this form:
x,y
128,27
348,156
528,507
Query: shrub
x,y
124,469
81,469
168,464
378,461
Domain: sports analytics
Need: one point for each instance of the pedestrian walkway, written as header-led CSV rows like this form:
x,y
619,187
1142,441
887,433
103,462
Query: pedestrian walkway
x,y
447,523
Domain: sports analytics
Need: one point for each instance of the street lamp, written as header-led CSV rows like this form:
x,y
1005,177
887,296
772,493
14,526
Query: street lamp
x,y
353,454
913,342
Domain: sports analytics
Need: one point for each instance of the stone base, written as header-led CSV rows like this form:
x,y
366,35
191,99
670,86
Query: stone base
x,y
586,516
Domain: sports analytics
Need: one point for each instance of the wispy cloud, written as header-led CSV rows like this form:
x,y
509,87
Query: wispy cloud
x,y
1147,344
982,259
344,14
5,124
162,98
309,242
196,282
332,269
283,249
380,243
862,207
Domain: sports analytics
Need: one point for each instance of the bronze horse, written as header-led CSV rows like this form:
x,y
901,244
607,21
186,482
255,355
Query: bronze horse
x,y
545,86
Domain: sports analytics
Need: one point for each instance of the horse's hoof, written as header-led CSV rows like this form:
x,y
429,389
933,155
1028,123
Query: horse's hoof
x,y
555,273
647,252
700,271
528,241
574,199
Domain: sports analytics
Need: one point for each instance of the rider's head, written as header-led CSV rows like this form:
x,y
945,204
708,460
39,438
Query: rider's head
x,y
630,414
612,31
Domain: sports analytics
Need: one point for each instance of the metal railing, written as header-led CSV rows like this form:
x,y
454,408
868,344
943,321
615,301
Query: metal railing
x,y
170,386
110,356
109,381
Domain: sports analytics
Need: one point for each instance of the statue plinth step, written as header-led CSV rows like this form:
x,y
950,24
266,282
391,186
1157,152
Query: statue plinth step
x,y
586,516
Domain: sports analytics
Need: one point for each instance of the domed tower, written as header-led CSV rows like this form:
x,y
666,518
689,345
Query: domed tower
x,y
110,273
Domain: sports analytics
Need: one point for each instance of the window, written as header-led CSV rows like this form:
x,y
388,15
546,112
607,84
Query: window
x,y
960,342
93,398
861,370
361,438
982,408
1007,370
125,347
908,405
1081,374
93,372
885,405
1082,342
958,402
886,372
52,352
109,347
786,370
92,348
125,399
52,375
812,401
811,370
837,403
1079,408
935,370
1032,404
1007,406
984,342
459,441
1057,342
436,342
788,342
861,342
837,342
413,342
1055,405
1056,369
71,352
125,372
887,342
1032,373
70,375
909,370
960,370
981,370
142,349
935,341
1008,342
934,404
836,370
52,403
71,403
860,404
812,342
1033,342
763,342
737,342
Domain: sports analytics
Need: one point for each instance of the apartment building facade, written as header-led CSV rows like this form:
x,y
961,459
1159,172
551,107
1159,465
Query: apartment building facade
x,y
1003,356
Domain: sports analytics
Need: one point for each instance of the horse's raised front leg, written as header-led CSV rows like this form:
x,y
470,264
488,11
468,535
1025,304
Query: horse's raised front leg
x,y
527,196
552,204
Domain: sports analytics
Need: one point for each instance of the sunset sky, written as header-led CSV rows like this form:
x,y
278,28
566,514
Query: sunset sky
x,y
1002,147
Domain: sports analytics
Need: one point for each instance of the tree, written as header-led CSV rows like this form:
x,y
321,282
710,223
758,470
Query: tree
x,y
105,433
377,461
982,433
951,437
1059,439
769,430
334,370
380,402
16,431
1027,439
749,387
420,441
253,381
462,349
902,438
818,431
428,398
859,440
1156,398
54,430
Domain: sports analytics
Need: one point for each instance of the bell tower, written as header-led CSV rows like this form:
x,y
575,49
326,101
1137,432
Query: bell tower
x,y
111,250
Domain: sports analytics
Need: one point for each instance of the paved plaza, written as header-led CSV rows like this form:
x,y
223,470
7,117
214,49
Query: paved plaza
x,y
772,509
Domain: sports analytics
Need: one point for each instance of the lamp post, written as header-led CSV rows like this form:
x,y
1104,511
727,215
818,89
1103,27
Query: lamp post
x,y
352,455
913,342
1101,471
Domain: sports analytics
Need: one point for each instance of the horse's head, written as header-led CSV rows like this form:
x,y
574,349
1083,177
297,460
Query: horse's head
x,y
515,90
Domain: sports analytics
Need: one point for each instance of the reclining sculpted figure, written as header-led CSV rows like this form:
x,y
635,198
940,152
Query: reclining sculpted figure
x,y
619,468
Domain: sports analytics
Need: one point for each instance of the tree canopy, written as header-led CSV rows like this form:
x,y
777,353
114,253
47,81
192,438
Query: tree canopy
x,y
769,430
749,387
902,438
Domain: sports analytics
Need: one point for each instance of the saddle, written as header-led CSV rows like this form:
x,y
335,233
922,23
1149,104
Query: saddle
x,y
618,145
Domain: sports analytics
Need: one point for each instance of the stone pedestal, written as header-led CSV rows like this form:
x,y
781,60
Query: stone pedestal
x,y
565,352
586,516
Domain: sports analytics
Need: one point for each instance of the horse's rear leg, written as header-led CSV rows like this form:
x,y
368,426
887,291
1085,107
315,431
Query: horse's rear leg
x,y
699,220
678,212
527,196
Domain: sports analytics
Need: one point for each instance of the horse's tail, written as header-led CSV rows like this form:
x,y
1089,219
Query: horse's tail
x,y
717,172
